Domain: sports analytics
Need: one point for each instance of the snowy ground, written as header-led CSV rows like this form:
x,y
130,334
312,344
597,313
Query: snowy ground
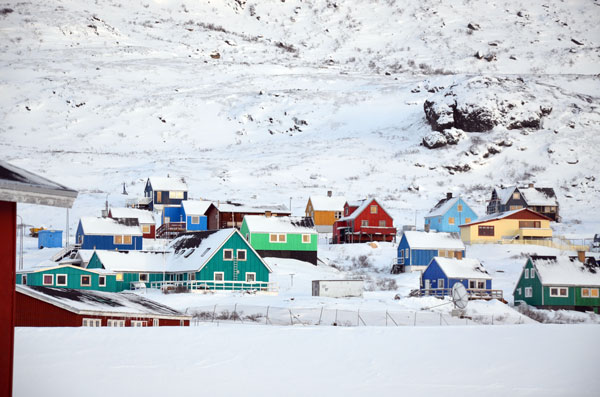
x,y
229,360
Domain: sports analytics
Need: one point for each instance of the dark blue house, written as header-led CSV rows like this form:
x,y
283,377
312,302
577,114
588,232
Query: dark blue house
x,y
108,234
443,273
165,192
448,214
417,248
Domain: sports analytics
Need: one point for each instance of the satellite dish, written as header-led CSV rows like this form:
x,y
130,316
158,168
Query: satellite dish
x,y
460,296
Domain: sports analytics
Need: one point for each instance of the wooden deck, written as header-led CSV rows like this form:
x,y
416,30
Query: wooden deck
x,y
486,294
170,230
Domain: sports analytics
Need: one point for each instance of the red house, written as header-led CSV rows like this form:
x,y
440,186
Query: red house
x,y
65,307
364,221
144,218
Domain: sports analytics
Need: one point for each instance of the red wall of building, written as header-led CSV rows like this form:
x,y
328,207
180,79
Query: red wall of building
x,y
8,248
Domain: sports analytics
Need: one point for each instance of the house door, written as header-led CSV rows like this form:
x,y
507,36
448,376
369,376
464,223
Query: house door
x,y
159,197
427,284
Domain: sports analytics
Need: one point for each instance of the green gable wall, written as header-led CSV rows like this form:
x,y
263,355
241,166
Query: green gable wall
x,y
252,264
534,283
260,241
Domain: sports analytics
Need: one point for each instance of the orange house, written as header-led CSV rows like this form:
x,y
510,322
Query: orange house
x,y
325,210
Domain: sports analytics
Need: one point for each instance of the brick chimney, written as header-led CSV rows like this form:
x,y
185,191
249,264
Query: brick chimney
x,y
448,195
531,185
581,256
329,193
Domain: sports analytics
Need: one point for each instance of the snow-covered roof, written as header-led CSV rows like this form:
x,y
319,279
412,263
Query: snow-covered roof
x,y
424,240
363,205
107,226
98,302
539,196
279,224
326,203
565,271
85,255
505,193
144,217
275,209
195,207
135,261
442,207
501,215
465,268
167,184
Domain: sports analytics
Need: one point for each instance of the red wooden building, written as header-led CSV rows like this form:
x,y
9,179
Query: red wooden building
x,y
227,215
364,221
64,307
18,186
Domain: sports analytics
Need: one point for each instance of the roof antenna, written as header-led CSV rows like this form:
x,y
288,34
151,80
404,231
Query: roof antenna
x,y
124,191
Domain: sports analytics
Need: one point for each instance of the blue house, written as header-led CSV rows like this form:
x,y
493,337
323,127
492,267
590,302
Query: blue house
x,y
108,234
448,214
416,249
194,213
443,273
49,238
165,192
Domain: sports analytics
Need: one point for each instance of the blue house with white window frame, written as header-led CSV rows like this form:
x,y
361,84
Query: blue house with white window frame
x,y
448,214
109,234
194,213
443,273
416,249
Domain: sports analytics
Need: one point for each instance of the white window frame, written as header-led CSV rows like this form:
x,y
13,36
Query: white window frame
x,y
532,273
558,295
337,215
81,280
24,279
176,194
528,292
440,283
191,276
249,273
139,323
382,223
155,322
272,238
222,280
526,273
146,229
62,284
91,322
279,235
115,323
101,281
195,220
304,236
115,239
228,250
237,253
364,223
147,277
373,209
518,291
407,253
480,281
130,240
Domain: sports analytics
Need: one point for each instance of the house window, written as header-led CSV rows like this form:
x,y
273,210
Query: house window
x,y
191,276
459,207
467,220
407,253
92,322
442,253
127,240
155,322
486,230
61,280
373,209
119,277
118,240
481,284
145,229
530,224
195,220
451,220
102,281
364,223
440,283
137,323
86,281
48,279
250,277
516,196
176,195
401,254
476,284
24,279
159,197
282,238
306,238
241,255
589,292
272,238
346,211
337,215
219,277
528,292
526,273
594,292
382,223
531,273
144,277
561,292
115,323
518,291
515,207
228,255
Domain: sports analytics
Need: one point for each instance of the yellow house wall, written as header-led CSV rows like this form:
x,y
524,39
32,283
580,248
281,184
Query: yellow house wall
x,y
502,228
321,218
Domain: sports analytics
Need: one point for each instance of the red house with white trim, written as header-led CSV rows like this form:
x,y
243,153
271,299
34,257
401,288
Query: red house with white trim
x,y
364,221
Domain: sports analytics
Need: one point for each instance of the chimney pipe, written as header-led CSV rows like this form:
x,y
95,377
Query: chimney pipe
x,y
448,195
531,185
329,193
268,214
581,256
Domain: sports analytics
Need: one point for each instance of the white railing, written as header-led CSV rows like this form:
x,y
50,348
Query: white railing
x,y
211,285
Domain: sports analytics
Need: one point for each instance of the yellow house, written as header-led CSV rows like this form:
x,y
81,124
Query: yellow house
x,y
325,210
523,224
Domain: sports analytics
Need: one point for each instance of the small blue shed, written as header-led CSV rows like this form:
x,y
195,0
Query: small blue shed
x,y
448,214
417,248
109,234
49,238
443,273
194,213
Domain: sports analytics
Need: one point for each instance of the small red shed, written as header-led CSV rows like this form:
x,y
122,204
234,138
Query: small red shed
x,y
64,307
364,221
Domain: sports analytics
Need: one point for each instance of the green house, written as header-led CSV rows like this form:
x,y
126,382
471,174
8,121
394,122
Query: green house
x,y
562,282
282,236
69,276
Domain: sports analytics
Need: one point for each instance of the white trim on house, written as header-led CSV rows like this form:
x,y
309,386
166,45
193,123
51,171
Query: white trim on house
x,y
115,323
222,280
44,279
225,251
139,323
91,322
62,284
103,279
89,284
304,236
147,277
558,293
237,254
253,275
528,292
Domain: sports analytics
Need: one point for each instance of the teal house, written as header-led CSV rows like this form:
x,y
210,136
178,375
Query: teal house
x,y
448,214
282,236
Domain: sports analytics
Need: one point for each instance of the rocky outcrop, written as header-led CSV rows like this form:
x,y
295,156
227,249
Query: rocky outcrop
x,y
438,139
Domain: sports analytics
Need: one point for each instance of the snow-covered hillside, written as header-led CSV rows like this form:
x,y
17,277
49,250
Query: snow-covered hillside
x,y
265,101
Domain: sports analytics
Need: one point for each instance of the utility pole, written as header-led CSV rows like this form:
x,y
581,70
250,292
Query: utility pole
x,y
21,227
